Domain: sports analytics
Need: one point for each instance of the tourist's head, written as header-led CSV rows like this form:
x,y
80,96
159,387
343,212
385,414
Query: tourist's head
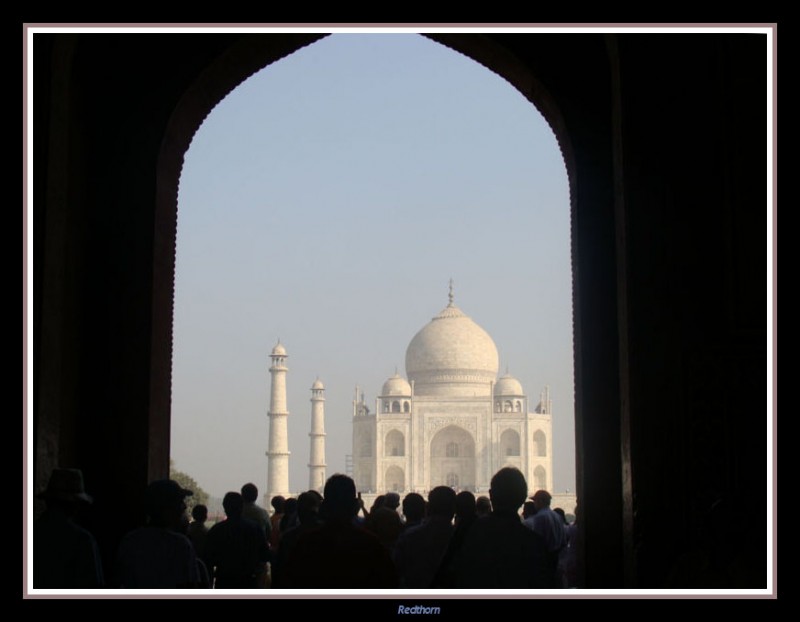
x,y
233,504
200,513
249,493
483,506
290,507
442,502
277,503
465,504
391,500
508,490
316,494
528,509
340,502
413,507
541,499
65,490
308,506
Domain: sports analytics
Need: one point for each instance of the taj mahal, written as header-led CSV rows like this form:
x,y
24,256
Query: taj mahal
x,y
450,421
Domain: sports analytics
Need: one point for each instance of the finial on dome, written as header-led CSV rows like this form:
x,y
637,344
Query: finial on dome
x,y
450,294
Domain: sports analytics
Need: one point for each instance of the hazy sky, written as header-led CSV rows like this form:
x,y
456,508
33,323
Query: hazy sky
x,y
326,202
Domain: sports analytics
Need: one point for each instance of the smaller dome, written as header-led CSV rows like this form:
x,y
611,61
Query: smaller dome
x,y
396,385
508,385
317,386
279,350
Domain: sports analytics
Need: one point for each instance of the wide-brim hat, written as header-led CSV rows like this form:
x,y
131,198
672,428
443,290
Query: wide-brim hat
x,y
164,493
66,485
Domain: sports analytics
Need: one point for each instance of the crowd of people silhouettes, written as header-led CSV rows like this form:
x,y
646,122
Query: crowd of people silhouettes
x,y
316,541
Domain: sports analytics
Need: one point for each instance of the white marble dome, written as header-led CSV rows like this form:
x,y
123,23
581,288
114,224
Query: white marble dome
x,y
452,355
508,385
279,350
317,386
396,386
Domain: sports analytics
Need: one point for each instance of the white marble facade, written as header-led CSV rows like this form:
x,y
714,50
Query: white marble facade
x,y
452,421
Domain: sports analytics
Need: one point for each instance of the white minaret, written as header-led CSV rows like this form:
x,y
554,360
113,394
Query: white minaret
x,y
316,461
278,454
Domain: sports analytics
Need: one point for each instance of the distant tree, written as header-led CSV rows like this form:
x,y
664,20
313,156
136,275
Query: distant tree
x,y
200,496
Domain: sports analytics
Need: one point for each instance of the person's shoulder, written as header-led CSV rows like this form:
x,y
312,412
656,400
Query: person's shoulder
x,y
169,538
364,538
411,532
160,537
311,535
221,525
82,535
483,523
196,529
135,535
249,524
532,539
217,529
181,538
144,539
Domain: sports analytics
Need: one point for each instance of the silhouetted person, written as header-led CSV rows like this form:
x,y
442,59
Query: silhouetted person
x,y
384,521
550,526
413,509
391,500
236,549
562,514
159,555
255,512
360,519
464,519
338,554
308,504
528,510
197,531
313,493
466,510
499,551
420,550
277,502
377,503
568,559
289,519
260,517
65,556
483,506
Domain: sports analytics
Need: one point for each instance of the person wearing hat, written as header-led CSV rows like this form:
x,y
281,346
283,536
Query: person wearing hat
x,y
159,555
550,526
65,556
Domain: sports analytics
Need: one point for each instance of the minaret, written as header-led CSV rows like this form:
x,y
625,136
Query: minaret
x,y
316,462
278,454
